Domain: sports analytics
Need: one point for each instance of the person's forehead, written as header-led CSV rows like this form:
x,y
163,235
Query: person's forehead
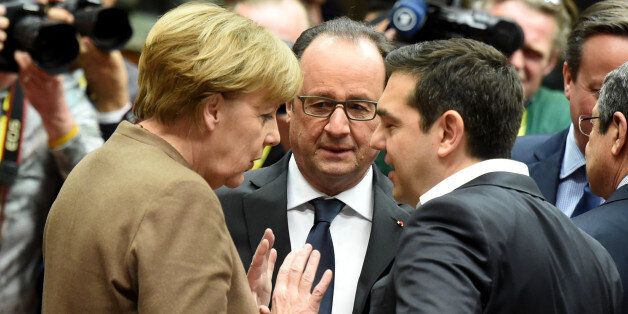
x,y
539,28
601,54
398,92
331,63
328,42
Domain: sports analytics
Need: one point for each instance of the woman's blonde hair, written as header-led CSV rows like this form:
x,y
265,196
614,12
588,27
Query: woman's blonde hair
x,y
197,50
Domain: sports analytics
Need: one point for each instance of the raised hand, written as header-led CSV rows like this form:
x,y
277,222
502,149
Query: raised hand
x,y
260,272
45,93
293,289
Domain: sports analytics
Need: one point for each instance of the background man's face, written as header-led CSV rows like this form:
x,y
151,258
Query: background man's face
x,y
600,55
336,149
537,57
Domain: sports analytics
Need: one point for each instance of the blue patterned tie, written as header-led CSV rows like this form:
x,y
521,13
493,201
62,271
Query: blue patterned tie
x,y
587,202
325,210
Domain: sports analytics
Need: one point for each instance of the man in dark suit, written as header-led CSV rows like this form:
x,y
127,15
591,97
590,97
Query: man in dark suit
x,y
597,45
607,156
331,123
483,239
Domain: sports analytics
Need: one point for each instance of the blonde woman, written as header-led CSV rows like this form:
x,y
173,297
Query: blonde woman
x,y
137,226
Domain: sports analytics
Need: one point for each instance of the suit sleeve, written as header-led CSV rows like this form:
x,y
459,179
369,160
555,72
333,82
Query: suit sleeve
x,y
442,262
181,254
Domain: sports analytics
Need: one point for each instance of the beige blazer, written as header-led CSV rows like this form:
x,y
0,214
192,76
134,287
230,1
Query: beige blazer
x,y
134,229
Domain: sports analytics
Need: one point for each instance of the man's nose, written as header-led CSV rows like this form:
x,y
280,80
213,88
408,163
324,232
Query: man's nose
x,y
517,59
338,124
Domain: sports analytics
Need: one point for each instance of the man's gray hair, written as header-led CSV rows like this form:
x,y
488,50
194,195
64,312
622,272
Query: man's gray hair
x,y
613,96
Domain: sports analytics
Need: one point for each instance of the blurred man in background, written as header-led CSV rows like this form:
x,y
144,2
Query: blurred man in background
x,y
546,25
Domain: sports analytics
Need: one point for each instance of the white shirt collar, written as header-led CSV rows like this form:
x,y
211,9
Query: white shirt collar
x,y
467,174
359,197
573,159
623,182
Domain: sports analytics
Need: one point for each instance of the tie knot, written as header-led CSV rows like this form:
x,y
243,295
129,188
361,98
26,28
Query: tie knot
x,y
326,209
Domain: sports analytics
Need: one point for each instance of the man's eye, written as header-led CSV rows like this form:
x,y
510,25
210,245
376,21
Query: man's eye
x,y
322,104
359,107
267,117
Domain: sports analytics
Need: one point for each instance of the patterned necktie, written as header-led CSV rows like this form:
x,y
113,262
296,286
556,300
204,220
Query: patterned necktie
x,y
587,202
325,210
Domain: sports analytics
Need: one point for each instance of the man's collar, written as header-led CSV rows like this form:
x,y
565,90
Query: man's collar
x,y
573,158
359,197
469,173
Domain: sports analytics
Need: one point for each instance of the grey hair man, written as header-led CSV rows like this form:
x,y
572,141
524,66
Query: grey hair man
x,y
607,166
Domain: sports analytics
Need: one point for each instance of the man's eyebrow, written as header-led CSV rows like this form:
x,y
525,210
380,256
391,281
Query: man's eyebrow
x,y
383,113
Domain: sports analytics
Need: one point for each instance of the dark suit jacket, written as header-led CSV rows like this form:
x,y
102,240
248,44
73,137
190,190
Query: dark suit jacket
x,y
544,156
261,202
494,245
609,225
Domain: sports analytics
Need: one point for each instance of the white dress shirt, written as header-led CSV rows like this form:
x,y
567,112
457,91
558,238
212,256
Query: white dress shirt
x,y
467,174
572,176
350,230
623,182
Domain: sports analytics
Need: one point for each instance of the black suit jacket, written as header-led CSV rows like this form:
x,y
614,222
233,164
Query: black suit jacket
x,y
261,202
495,245
609,225
544,156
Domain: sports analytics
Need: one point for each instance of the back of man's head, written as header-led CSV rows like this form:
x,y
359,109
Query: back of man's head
x,y
343,28
284,18
609,17
471,78
613,96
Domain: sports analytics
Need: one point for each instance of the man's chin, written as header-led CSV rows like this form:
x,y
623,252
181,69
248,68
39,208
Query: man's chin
x,y
235,181
337,169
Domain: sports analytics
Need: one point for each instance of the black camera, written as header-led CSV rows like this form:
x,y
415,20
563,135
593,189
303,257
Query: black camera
x,y
421,20
109,28
52,45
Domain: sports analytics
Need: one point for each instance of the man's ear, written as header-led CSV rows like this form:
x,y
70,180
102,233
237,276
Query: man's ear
x,y
451,131
289,109
211,109
567,80
619,127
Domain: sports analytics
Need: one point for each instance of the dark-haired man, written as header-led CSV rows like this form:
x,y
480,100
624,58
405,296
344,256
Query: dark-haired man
x,y
483,239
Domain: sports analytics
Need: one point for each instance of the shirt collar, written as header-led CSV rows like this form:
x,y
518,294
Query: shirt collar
x,y
623,182
573,158
359,197
469,173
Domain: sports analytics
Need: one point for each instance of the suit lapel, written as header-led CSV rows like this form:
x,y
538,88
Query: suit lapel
x,y
619,195
266,208
385,232
547,170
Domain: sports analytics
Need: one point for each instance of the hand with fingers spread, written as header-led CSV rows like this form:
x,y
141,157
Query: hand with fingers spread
x,y
293,289
260,272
